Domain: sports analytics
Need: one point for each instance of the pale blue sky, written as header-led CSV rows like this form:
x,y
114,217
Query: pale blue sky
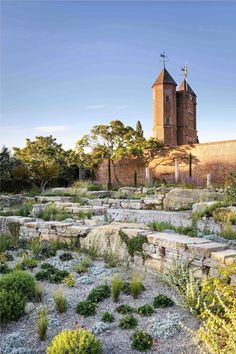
x,y
67,66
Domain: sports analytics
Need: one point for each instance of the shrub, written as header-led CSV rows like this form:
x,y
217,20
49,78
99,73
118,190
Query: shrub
x,y
136,285
86,308
79,341
224,215
145,310
82,267
60,301
107,317
116,286
12,305
19,281
51,212
100,293
161,226
4,269
228,232
43,249
126,288
178,275
125,309
141,341
25,209
28,262
51,274
128,322
38,292
82,214
162,301
133,244
42,323
70,280
7,243
66,256
111,260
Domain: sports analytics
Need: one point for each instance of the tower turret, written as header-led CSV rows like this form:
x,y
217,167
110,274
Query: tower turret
x,y
186,114
164,109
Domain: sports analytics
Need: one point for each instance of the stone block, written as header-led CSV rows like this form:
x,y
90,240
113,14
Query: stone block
x,y
149,248
134,232
226,257
174,241
206,248
154,264
131,204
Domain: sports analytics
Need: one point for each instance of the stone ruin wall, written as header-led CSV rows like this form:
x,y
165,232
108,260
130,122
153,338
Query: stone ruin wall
x,y
217,158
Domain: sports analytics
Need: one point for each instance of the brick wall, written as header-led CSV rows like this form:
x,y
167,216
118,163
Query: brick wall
x,y
217,158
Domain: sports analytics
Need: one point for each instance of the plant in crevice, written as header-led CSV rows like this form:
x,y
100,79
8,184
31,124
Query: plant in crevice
x,y
42,323
60,301
116,286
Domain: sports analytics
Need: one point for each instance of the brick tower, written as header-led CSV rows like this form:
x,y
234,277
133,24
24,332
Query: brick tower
x,y
186,115
164,109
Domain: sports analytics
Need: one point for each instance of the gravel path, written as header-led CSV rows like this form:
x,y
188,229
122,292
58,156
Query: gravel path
x,y
21,337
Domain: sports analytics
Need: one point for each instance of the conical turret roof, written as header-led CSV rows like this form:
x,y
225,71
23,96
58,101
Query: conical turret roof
x,y
164,78
184,86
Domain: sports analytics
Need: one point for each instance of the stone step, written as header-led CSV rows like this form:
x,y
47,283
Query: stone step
x,y
174,241
225,257
207,248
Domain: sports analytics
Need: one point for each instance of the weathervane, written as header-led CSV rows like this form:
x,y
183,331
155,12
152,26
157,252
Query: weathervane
x,y
164,58
185,70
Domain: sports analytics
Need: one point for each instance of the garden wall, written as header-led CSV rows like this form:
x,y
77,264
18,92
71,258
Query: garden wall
x,y
217,158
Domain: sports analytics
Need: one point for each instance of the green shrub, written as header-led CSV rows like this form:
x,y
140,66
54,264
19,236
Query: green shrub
x,y
4,269
228,232
160,226
107,317
100,293
42,323
51,212
133,244
126,288
141,341
136,285
208,211
86,308
19,281
83,214
51,274
82,267
70,280
28,262
162,301
66,256
128,322
224,215
25,209
43,249
145,310
125,309
7,243
60,301
12,305
116,286
75,341
110,260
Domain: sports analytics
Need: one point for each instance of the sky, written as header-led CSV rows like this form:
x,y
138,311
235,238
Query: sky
x,y
69,65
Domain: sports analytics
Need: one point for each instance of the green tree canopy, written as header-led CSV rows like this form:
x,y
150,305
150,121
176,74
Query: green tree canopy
x,y
42,158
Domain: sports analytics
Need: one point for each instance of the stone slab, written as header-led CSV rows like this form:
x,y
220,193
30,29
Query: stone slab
x,y
207,248
174,241
226,257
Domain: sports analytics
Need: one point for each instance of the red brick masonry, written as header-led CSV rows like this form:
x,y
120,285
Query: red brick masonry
x,y
217,158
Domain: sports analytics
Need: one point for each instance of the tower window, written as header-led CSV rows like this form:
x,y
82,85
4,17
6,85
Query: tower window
x,y
167,98
167,120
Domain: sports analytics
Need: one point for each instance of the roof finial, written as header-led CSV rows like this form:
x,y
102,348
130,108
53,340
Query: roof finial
x,y
185,70
164,57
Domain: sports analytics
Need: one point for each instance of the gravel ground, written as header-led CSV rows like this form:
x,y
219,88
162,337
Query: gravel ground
x,y
21,337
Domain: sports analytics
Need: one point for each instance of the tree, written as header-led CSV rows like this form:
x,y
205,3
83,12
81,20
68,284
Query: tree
x,y
139,128
7,163
113,142
42,158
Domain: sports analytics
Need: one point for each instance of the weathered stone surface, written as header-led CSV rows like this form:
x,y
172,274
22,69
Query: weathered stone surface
x,y
134,232
131,204
154,264
173,241
207,248
106,239
11,200
202,206
153,203
179,199
227,256
45,199
145,216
